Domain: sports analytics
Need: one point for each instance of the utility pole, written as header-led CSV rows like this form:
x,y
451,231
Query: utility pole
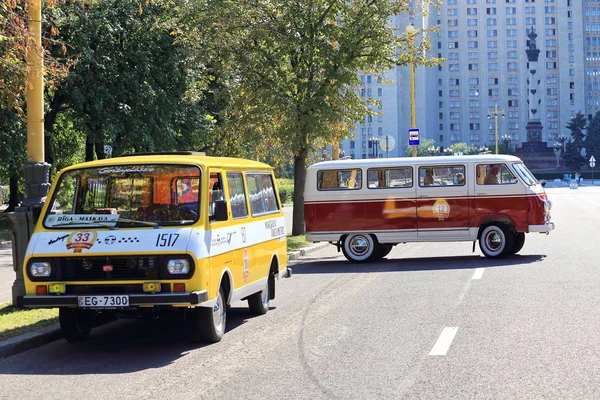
x,y
36,170
495,114
410,30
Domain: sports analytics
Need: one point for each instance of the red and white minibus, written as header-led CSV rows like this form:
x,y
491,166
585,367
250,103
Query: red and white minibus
x,y
365,207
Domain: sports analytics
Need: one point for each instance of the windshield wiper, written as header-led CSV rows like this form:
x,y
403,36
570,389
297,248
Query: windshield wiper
x,y
103,224
148,223
108,225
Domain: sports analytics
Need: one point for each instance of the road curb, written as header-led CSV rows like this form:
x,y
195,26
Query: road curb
x,y
29,340
296,254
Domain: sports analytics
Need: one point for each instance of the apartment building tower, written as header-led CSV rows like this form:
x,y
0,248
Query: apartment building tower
x,y
485,45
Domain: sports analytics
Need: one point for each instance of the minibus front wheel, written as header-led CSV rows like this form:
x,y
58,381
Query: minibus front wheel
x,y
496,240
75,324
209,322
360,247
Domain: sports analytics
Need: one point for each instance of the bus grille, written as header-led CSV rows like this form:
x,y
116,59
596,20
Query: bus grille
x,y
108,268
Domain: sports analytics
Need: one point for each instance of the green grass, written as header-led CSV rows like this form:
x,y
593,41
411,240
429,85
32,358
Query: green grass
x,y
14,322
296,242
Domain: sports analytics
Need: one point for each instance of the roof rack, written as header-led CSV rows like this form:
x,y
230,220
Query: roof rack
x,y
166,153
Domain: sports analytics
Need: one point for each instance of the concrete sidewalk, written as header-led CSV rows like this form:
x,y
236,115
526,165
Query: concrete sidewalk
x,y
7,273
38,338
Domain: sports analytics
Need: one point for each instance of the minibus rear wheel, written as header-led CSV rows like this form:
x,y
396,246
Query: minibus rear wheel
x,y
209,323
360,247
496,240
258,303
75,324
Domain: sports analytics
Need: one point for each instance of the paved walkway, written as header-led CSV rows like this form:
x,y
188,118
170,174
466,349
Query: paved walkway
x,y
7,274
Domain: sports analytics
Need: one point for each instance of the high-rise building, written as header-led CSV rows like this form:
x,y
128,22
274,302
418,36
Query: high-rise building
x,y
484,43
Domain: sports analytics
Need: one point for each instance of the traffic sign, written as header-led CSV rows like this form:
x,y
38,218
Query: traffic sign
x,y
413,137
592,162
387,143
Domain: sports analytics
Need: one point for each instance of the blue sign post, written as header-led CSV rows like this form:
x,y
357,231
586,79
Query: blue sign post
x,y
413,137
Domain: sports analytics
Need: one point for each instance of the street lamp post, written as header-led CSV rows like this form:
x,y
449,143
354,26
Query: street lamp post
x,y
495,113
410,30
506,139
557,147
374,144
562,139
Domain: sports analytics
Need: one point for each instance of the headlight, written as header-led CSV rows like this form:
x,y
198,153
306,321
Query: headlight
x,y
40,269
178,266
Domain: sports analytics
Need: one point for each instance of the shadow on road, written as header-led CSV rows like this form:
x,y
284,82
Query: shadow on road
x,y
120,347
335,265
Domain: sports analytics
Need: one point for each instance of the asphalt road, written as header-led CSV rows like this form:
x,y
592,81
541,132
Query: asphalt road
x,y
432,321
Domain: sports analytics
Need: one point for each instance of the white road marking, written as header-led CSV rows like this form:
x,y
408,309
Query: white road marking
x,y
444,341
478,273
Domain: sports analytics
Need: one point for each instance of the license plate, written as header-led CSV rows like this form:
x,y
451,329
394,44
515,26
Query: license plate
x,y
107,301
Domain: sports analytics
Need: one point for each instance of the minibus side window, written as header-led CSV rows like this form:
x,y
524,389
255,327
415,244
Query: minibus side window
x,y
494,174
347,179
442,175
262,193
382,178
237,196
215,192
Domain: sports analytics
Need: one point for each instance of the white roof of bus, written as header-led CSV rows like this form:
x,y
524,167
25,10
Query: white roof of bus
x,y
435,160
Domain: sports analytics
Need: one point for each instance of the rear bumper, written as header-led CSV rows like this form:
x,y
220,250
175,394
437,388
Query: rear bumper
x,y
546,228
135,300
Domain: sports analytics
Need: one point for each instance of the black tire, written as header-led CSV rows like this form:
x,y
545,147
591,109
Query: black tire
x,y
359,247
258,303
384,250
75,324
209,323
519,242
496,240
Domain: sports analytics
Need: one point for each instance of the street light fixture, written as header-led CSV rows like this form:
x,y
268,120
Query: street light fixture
x,y
374,141
562,139
506,139
495,113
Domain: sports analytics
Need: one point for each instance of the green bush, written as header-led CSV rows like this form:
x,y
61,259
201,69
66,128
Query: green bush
x,y
286,192
3,194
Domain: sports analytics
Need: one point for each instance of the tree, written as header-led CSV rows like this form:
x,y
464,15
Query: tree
x,y
577,126
296,65
12,154
424,149
572,155
13,45
129,87
592,139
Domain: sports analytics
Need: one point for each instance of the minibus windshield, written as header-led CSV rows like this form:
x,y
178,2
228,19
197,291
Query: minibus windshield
x,y
126,196
524,173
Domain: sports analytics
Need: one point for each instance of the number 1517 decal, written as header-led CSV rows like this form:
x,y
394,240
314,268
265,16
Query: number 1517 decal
x,y
166,239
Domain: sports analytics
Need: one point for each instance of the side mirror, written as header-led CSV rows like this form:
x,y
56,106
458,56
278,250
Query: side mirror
x,y
220,211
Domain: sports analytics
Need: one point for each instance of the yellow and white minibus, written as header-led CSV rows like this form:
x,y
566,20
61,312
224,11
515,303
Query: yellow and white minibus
x,y
153,233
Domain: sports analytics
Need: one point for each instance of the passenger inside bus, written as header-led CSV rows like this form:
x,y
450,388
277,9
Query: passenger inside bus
x,y
428,179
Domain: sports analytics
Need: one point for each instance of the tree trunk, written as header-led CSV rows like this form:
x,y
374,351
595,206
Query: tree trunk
x,y
298,227
89,149
13,189
100,154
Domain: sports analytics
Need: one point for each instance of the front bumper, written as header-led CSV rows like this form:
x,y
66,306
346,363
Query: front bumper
x,y
135,300
546,228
